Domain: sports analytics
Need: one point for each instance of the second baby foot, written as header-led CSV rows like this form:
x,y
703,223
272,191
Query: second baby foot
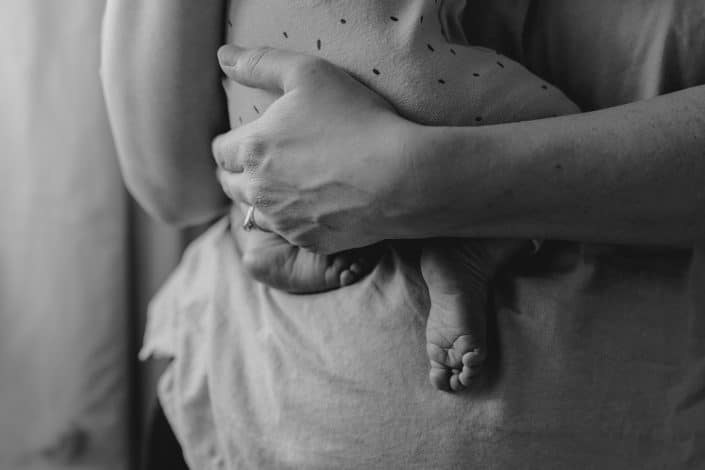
x,y
457,274
273,261
456,325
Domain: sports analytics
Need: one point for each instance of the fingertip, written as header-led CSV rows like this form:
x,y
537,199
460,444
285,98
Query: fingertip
x,y
228,54
216,149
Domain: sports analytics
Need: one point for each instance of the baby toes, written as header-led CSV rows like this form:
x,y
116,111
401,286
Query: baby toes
x,y
337,264
472,368
455,383
357,268
351,266
352,274
455,367
348,277
473,359
440,377
452,380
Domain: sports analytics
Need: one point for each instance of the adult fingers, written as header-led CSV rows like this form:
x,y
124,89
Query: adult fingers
x,y
234,186
235,151
266,68
238,187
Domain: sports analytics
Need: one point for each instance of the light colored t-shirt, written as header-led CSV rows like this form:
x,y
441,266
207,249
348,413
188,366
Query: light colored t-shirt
x,y
600,350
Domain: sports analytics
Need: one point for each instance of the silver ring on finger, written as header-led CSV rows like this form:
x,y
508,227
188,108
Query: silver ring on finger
x,y
249,222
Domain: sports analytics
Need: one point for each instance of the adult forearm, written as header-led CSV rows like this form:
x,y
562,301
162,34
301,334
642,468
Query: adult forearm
x,y
161,82
629,174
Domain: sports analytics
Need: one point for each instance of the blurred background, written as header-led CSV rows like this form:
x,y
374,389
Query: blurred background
x,y
78,259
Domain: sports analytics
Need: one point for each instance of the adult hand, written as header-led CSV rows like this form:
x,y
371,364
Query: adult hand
x,y
324,165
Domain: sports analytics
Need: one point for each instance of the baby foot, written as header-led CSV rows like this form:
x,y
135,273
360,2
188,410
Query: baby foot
x,y
457,274
273,261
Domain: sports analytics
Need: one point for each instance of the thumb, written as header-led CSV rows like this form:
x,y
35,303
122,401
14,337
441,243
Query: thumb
x,y
262,67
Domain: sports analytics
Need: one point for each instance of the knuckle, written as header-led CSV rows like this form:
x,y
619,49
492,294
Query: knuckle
x,y
249,63
251,149
254,192
261,195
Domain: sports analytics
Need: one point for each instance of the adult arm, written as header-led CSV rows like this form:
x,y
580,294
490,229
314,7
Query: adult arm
x,y
629,174
332,180
162,88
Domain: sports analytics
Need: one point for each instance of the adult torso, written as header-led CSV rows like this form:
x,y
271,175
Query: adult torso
x,y
626,323
601,53
600,358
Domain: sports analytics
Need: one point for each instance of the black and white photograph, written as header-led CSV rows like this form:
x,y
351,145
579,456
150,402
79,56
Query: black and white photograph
x,y
352,234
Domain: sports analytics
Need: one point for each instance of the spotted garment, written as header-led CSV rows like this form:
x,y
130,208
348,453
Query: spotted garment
x,y
403,50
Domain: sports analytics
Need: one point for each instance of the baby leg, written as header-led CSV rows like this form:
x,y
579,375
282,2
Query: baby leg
x,y
457,273
271,260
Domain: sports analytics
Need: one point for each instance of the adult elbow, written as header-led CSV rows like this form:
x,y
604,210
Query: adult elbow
x,y
176,208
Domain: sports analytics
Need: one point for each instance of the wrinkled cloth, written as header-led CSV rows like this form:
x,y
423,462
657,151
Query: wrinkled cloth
x,y
587,369
599,357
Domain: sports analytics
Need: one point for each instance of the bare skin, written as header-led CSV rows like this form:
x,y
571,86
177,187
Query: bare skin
x,y
558,182
165,154
273,261
457,272
152,78
628,174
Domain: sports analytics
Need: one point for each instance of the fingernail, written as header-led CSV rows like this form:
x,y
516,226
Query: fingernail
x,y
227,54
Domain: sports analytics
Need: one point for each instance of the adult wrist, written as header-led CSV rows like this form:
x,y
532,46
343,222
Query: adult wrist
x,y
430,192
463,182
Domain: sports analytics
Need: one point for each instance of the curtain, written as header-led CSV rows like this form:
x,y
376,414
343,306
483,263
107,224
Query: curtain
x,y
78,260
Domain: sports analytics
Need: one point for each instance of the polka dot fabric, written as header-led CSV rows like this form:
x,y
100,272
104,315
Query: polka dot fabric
x,y
398,48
